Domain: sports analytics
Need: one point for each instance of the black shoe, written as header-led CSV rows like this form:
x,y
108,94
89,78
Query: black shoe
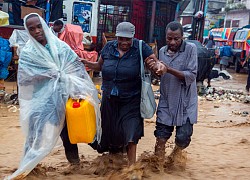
x,y
98,147
73,158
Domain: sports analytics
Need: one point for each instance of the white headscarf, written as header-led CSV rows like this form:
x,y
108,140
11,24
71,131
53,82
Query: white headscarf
x,y
50,37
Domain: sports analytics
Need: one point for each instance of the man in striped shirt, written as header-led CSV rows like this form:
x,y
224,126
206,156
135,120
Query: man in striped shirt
x,y
178,100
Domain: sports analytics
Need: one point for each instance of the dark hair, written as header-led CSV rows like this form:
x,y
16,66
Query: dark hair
x,y
173,26
58,23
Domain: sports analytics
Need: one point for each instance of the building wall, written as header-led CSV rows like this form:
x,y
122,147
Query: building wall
x,y
186,20
216,4
241,15
247,4
213,20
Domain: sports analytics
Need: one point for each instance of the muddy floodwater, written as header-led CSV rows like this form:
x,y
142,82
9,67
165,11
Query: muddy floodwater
x,y
219,148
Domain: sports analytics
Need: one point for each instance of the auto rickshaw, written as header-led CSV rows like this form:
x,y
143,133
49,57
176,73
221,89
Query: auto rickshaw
x,y
241,48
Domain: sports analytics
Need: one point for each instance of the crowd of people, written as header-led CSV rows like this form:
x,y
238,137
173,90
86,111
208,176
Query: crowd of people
x,y
121,122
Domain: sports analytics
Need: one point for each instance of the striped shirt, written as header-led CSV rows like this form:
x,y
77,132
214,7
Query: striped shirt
x,y
178,100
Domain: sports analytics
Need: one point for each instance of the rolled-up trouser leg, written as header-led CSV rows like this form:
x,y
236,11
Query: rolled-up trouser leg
x,y
160,147
183,134
248,78
162,134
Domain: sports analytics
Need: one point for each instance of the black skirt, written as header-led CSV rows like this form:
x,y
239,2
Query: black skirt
x,y
121,123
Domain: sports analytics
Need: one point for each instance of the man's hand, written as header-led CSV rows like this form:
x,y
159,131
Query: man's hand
x,y
157,67
160,68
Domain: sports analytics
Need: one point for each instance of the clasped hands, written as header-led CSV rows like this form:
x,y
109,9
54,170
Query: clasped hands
x,y
158,67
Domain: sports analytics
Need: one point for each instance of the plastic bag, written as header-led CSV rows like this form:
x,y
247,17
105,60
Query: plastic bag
x,y
18,38
3,73
5,58
4,44
148,104
4,18
47,77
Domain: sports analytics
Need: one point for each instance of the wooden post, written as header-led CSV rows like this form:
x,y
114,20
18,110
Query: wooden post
x,y
152,22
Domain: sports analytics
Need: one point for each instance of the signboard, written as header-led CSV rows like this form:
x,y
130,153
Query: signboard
x,y
218,33
82,14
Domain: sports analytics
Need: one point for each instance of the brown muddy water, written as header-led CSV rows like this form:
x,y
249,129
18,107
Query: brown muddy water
x,y
219,148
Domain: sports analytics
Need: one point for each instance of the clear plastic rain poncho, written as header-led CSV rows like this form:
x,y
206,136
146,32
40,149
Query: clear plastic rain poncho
x,y
46,79
18,38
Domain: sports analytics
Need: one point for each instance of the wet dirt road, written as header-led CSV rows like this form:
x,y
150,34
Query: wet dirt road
x,y
219,148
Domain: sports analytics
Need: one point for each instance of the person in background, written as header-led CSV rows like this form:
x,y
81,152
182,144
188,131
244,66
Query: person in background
x,y
122,124
57,27
225,54
248,78
178,101
210,43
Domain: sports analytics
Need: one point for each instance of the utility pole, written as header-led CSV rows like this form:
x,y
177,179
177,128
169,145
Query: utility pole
x,y
152,22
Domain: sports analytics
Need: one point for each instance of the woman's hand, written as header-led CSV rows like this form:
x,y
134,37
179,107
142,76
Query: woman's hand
x,y
96,66
84,61
150,62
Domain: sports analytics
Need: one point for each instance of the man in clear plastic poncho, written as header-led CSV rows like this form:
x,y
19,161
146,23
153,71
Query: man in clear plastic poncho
x,y
49,73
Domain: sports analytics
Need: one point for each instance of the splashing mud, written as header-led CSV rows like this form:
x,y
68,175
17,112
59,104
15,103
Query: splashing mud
x,y
114,166
148,163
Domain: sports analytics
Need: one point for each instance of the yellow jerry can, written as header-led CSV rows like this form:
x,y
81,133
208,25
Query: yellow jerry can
x,y
81,121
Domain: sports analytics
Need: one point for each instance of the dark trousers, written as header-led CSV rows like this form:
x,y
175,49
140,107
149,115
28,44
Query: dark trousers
x,y
71,150
248,78
183,133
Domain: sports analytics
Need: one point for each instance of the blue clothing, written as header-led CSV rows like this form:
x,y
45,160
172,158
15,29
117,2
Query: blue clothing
x,y
179,100
225,54
226,51
210,44
121,76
